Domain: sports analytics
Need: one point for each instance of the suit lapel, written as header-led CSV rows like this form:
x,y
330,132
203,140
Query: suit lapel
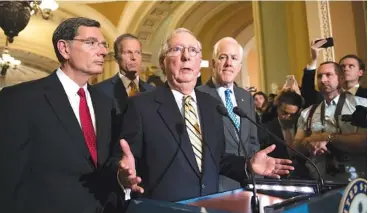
x,y
120,94
56,96
206,126
142,86
103,124
361,92
211,89
172,117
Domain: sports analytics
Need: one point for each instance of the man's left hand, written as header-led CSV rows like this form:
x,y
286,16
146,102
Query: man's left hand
x,y
262,164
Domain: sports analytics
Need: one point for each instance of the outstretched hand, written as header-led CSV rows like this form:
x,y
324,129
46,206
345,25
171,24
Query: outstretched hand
x,y
127,173
262,164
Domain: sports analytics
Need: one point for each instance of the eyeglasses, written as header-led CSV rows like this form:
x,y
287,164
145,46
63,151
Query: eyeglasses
x,y
178,50
94,44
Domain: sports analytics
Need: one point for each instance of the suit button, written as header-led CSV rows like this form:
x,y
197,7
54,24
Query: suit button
x,y
203,186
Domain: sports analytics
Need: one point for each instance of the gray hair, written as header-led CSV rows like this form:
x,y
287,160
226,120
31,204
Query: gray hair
x,y
216,47
165,45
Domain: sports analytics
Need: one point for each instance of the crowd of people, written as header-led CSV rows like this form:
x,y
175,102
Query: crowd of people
x,y
74,147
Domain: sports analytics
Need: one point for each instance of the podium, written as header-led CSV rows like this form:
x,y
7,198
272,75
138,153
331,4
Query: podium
x,y
274,195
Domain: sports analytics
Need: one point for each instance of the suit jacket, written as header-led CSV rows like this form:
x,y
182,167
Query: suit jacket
x,y
155,129
281,151
248,132
45,163
114,88
265,140
361,92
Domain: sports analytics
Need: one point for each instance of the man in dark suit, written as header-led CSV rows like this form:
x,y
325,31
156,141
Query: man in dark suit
x,y
226,64
56,131
128,54
288,106
176,137
353,68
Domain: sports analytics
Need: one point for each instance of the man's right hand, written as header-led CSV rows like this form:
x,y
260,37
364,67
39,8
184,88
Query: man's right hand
x,y
127,173
315,48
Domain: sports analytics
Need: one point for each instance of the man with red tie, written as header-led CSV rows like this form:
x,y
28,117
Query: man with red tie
x,y
56,131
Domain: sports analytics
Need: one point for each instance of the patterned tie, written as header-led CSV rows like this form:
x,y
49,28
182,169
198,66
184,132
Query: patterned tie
x,y
133,89
193,129
229,107
87,126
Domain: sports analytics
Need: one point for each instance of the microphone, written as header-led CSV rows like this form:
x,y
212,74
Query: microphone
x,y
320,183
254,201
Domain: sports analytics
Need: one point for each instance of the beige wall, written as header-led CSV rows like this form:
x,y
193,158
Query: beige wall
x,y
349,29
272,42
253,69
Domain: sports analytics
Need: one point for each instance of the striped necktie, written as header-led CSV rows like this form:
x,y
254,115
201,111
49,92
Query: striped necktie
x,y
229,107
193,129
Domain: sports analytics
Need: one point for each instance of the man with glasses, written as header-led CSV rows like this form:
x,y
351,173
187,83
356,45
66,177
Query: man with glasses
x,y
288,105
176,137
56,131
126,83
226,64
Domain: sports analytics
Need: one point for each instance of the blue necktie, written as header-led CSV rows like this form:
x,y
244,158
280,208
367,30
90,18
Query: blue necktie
x,y
229,107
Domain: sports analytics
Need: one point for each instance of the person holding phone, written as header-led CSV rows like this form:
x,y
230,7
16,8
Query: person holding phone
x,y
308,91
353,68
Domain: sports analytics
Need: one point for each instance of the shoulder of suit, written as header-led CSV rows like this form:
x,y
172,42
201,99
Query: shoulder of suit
x,y
203,88
207,97
242,91
26,87
105,82
147,86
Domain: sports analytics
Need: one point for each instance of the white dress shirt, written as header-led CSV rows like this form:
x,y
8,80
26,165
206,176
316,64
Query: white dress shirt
x,y
71,89
179,99
126,82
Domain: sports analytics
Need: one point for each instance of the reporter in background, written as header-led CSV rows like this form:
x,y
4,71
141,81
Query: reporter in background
x,y
353,69
288,106
337,147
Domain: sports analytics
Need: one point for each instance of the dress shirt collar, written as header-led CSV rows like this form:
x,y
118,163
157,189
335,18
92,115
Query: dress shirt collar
x,y
333,102
352,90
70,87
126,81
221,89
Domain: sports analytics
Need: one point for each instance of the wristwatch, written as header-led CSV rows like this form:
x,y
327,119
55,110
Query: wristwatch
x,y
331,137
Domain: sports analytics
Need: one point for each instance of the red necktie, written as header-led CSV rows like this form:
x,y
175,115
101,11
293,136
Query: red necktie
x,y
87,126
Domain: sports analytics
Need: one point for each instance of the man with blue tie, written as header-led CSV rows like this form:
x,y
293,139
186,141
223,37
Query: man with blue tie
x,y
226,64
